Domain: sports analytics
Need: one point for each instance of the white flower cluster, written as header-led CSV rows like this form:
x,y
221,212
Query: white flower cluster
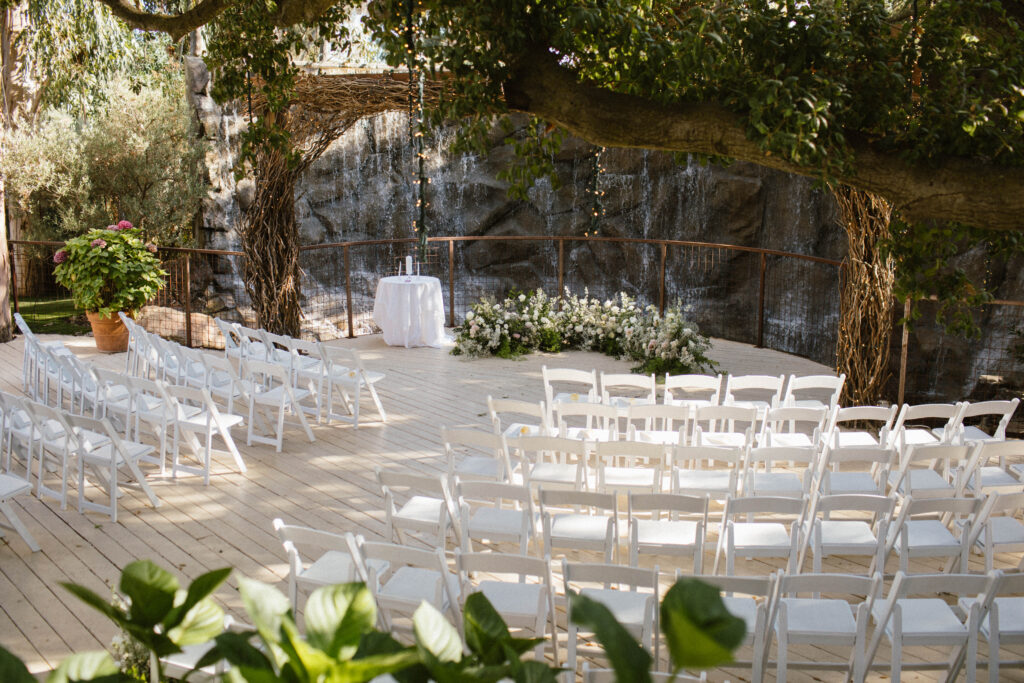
x,y
618,326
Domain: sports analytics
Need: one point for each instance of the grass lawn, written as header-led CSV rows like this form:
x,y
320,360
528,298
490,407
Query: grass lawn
x,y
53,316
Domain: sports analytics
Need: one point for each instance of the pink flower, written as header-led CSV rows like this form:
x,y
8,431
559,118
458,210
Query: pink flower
x,y
112,227
516,335
98,242
151,248
125,225
60,257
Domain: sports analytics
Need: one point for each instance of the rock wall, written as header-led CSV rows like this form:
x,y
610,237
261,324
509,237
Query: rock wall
x,y
362,188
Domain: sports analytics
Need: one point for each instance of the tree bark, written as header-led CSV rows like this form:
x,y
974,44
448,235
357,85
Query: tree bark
x,y
954,189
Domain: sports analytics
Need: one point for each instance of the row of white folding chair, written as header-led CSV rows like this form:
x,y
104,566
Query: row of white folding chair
x,y
332,370
766,390
909,430
37,365
64,439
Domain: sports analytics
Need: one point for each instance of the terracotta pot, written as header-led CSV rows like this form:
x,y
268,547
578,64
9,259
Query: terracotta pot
x,y
110,333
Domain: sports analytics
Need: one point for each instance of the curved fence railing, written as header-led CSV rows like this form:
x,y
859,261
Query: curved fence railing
x,y
775,299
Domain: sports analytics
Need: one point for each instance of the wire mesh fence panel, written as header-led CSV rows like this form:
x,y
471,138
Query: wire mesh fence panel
x,y
942,365
46,306
716,288
493,268
801,308
603,268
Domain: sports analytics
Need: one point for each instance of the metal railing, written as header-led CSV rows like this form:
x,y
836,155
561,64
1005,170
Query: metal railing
x,y
770,298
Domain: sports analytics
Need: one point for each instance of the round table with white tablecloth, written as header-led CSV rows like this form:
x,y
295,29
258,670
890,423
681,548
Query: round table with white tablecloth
x,y
410,311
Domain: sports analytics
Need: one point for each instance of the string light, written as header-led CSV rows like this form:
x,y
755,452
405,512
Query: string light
x,y
597,211
417,128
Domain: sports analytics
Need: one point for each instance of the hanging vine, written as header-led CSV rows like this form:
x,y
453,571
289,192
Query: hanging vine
x,y
596,194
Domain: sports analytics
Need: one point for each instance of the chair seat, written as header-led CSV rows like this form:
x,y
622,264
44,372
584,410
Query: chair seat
x,y
778,484
766,536
667,438
477,466
629,607
929,619
579,527
847,537
723,439
855,439
850,482
344,375
12,485
630,477
975,435
693,402
712,481
1011,618
994,477
624,402
336,566
199,421
1005,531
791,440
553,473
488,522
923,484
412,585
666,532
820,620
928,537
582,434
567,397
915,437
421,509
745,609
517,429
274,397
514,600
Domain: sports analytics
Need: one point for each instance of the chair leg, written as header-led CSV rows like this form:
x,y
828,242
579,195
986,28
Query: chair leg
x,y
18,525
376,401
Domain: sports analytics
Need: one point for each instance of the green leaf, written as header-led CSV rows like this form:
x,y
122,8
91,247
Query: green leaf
x,y
367,668
237,649
337,617
699,630
201,624
203,586
95,601
13,670
630,661
266,605
435,635
152,591
485,629
86,666
377,643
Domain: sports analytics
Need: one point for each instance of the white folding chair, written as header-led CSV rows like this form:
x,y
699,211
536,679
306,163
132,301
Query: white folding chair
x,y
401,578
762,539
858,436
855,469
862,536
19,431
521,592
552,462
795,426
206,423
914,614
668,425
707,470
224,383
428,508
537,415
582,382
908,430
762,477
934,470
11,485
997,527
761,392
102,450
580,520
232,339
1002,409
333,564
495,512
627,466
752,599
49,431
35,362
1001,622
592,422
476,454
814,391
933,527
803,615
631,594
986,477
727,425
624,390
273,392
346,374
692,391
667,524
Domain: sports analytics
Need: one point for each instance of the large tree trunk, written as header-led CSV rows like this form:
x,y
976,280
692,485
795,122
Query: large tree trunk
x,y
6,328
270,241
866,300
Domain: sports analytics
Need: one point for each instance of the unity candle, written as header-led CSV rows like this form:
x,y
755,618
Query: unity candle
x,y
408,265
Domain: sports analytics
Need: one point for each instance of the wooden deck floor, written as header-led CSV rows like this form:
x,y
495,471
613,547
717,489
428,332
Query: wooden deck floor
x,y
327,484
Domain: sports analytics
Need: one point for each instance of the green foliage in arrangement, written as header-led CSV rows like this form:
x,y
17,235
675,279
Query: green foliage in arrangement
x,y
342,645
110,269
137,153
619,327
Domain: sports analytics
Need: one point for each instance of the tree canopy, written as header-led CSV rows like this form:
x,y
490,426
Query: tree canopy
x,y
921,101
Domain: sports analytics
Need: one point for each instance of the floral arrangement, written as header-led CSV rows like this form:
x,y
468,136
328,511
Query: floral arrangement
x,y
618,327
109,269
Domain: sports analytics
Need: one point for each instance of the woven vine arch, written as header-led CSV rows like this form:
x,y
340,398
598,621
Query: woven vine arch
x,y
322,108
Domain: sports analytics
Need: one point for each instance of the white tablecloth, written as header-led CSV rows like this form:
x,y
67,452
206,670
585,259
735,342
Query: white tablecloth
x,y
410,311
